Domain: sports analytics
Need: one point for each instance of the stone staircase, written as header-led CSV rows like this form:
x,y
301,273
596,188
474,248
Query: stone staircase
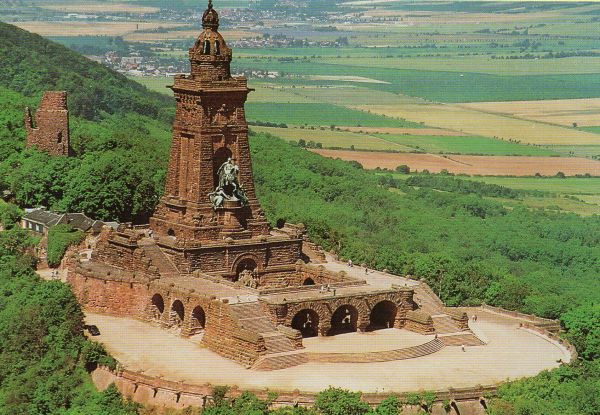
x,y
444,324
161,261
427,300
466,339
424,349
281,352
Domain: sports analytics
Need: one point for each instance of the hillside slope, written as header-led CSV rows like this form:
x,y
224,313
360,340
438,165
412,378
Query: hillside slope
x,y
30,64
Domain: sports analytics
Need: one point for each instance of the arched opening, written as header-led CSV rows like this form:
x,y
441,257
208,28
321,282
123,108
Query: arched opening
x,y
198,321
306,322
344,320
245,269
59,138
309,281
280,223
157,306
206,47
171,232
177,313
383,315
220,157
217,47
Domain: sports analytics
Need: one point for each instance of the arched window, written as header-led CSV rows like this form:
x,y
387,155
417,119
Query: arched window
x,y
177,313
157,306
344,320
306,322
198,321
206,47
217,47
383,316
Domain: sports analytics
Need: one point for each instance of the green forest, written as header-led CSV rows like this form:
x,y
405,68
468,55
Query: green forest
x,y
469,248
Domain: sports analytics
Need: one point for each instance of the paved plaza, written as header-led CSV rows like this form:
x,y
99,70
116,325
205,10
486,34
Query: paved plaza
x,y
511,353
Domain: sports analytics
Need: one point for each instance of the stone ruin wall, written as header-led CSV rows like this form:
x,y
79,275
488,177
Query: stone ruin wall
x,y
50,133
134,299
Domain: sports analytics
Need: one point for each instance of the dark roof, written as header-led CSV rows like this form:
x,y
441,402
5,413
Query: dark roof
x,y
42,216
76,220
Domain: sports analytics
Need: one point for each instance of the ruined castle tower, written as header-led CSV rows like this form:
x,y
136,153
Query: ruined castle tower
x,y
209,194
51,130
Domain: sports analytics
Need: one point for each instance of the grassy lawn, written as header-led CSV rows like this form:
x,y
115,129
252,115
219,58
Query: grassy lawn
x,y
466,145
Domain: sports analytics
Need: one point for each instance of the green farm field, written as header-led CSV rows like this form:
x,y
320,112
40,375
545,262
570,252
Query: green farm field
x,y
466,145
444,85
338,139
567,185
319,114
579,195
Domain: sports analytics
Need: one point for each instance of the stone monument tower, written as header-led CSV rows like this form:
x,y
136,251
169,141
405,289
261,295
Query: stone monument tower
x,y
209,194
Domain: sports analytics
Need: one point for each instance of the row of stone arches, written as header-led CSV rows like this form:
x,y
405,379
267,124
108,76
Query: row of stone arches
x,y
176,316
344,319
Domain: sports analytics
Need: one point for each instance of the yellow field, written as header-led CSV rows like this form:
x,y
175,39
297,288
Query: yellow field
x,y
470,121
330,138
471,165
184,34
100,8
90,28
584,112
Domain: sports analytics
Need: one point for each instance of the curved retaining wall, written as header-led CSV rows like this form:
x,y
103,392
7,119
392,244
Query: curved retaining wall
x,y
159,392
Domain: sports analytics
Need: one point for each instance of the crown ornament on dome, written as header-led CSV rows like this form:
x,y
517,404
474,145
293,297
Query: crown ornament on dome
x,y
210,18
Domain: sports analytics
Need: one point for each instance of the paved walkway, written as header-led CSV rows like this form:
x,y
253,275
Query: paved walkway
x,y
511,353
374,278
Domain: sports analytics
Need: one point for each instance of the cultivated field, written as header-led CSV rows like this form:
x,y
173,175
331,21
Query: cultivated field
x,y
456,117
465,145
472,165
329,138
183,34
583,112
567,185
90,28
105,7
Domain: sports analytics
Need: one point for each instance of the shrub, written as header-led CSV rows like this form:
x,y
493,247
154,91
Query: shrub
x,y
60,237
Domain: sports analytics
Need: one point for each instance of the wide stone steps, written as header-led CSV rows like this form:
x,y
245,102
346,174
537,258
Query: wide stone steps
x,y
278,344
280,361
251,317
428,302
466,339
424,349
160,260
444,324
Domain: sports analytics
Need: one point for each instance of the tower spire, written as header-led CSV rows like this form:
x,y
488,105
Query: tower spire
x,y
210,18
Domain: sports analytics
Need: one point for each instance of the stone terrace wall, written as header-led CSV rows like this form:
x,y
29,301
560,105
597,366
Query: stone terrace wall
x,y
187,311
545,323
163,393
